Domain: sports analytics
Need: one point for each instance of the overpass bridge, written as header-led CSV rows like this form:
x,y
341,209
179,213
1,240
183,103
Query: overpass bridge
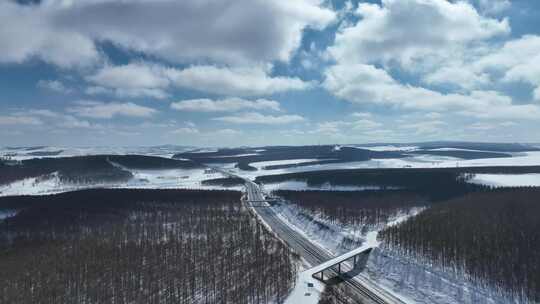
x,y
343,267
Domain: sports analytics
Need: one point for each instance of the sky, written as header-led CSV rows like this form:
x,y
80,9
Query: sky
x,y
268,72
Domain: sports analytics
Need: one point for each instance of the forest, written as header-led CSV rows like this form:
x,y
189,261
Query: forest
x,y
224,182
325,154
365,209
435,184
492,237
88,169
139,246
250,155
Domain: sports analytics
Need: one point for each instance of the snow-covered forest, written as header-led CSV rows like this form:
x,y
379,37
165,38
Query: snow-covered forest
x,y
366,210
140,246
491,238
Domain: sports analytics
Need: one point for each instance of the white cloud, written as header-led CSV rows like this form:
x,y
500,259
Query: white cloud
x,y
457,75
406,31
65,32
494,7
53,85
225,105
153,80
518,60
340,127
512,53
131,80
101,110
362,115
433,115
29,32
482,126
56,119
366,124
367,84
426,127
238,81
19,120
228,132
186,130
258,118
71,122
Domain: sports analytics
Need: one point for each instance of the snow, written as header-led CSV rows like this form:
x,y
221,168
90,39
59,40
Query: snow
x,y
302,294
425,161
507,180
142,179
174,179
458,149
4,214
22,153
338,259
331,239
302,185
415,161
262,164
389,148
422,283
413,281
236,155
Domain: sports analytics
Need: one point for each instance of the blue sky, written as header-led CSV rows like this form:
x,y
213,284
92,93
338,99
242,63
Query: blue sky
x,y
254,72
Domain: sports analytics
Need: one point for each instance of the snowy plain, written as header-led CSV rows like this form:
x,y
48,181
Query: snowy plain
x,y
142,179
507,180
24,153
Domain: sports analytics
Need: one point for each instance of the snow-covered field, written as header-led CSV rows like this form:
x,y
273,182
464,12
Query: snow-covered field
x,y
142,179
29,153
426,161
262,164
507,180
302,185
388,148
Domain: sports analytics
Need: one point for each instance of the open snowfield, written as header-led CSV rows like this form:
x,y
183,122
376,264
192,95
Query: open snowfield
x,y
142,179
38,152
388,148
302,185
426,161
262,164
507,180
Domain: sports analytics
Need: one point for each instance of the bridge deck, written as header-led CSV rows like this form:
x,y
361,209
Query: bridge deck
x,y
335,265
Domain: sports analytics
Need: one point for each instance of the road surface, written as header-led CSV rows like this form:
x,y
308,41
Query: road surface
x,y
362,289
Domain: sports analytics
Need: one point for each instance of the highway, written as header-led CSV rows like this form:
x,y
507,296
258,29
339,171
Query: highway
x,y
361,288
